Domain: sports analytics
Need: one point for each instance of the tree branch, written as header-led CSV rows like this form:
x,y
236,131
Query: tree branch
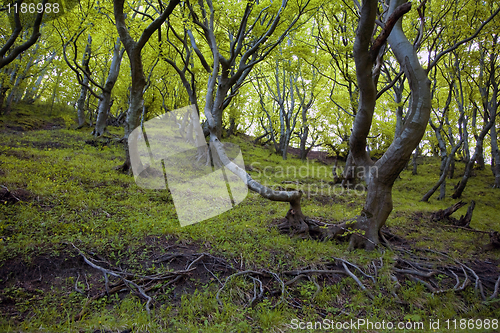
x,y
463,41
389,25
4,61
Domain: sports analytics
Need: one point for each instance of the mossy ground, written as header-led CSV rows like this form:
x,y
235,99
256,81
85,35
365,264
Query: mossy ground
x,y
70,193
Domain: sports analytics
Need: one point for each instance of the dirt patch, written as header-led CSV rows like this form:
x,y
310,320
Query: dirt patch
x,y
31,280
46,274
15,128
21,155
35,144
8,197
57,124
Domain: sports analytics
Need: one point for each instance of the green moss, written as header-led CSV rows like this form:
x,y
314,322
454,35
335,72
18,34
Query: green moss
x,y
71,193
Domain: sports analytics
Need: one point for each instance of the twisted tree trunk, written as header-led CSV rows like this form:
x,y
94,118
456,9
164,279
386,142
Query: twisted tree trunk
x,y
382,174
133,49
80,104
105,101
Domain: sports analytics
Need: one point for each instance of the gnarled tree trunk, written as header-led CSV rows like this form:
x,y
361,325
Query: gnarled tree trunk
x,y
105,101
133,49
80,104
495,156
468,168
382,174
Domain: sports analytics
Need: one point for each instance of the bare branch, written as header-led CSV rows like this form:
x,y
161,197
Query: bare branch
x,y
463,41
389,25
4,61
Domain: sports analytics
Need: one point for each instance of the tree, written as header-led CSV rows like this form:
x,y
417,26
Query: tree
x,y
380,175
247,43
488,86
105,97
80,103
283,99
9,51
134,49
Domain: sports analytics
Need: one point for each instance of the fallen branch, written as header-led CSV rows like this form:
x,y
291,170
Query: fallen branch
x,y
444,214
465,220
414,272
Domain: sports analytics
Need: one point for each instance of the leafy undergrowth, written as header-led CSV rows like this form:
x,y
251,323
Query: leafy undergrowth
x,y
62,195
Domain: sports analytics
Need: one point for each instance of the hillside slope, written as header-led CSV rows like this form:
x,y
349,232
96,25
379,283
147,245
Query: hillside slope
x,y
84,249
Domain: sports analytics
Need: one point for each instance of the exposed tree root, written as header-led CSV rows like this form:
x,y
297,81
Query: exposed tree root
x,y
494,241
463,221
138,284
295,223
444,214
436,271
7,196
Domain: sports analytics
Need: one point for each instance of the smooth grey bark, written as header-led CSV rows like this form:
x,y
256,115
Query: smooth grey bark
x,y
105,100
495,156
282,94
5,86
480,156
444,172
491,103
438,131
185,53
415,162
33,89
489,89
32,92
247,47
349,173
397,84
3,93
15,93
443,168
304,135
80,103
304,107
463,118
290,98
380,176
226,75
54,92
134,49
468,167
451,170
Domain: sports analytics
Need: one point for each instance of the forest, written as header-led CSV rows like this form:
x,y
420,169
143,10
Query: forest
x,y
249,166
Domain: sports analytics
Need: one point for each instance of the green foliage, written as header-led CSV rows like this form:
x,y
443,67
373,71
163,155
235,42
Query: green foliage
x,y
71,193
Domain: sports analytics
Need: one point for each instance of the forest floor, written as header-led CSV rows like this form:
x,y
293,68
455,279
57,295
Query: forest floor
x,y
84,249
